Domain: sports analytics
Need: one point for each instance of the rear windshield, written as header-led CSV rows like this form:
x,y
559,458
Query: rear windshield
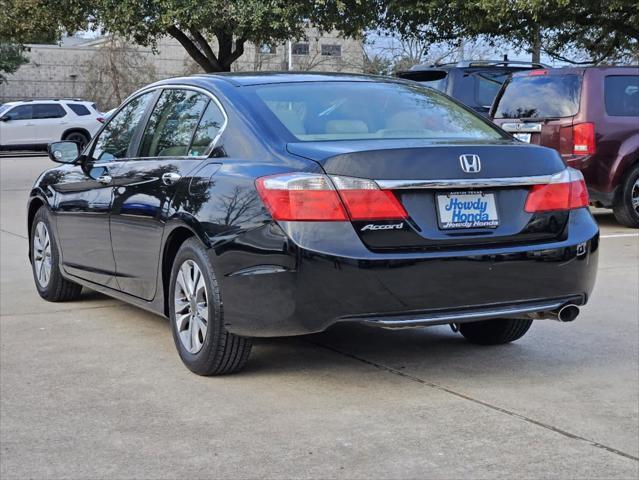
x,y
369,110
540,96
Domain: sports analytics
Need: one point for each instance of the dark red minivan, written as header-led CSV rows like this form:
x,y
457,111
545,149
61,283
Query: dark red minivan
x,y
591,116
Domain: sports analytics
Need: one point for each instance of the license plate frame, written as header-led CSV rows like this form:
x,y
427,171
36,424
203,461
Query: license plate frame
x,y
452,213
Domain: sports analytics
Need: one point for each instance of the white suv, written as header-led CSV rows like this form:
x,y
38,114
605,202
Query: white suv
x,y
36,123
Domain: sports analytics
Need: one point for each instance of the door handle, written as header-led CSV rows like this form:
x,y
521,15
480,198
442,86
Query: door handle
x,y
105,179
171,178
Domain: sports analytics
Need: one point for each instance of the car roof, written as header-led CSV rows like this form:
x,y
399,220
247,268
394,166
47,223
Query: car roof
x,y
263,78
47,100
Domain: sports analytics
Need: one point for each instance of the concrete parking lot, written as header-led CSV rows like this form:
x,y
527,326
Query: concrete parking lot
x,y
95,389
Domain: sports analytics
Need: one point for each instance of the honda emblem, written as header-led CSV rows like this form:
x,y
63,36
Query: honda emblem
x,y
470,163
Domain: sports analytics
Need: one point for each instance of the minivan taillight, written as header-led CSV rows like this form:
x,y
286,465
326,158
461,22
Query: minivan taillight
x,y
565,192
316,197
583,139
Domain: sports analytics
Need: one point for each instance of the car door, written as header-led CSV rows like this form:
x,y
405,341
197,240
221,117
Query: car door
x,y
176,139
16,127
85,193
49,121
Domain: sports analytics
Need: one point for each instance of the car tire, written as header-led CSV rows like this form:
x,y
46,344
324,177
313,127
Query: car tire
x,y
78,137
196,316
626,206
45,264
496,331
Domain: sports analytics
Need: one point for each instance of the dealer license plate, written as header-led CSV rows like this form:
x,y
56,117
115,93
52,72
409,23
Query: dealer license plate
x,y
467,210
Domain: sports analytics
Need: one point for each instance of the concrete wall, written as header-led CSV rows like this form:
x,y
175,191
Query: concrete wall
x,y
88,69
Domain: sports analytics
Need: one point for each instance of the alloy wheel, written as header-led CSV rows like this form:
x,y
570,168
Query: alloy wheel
x,y
634,196
191,306
42,254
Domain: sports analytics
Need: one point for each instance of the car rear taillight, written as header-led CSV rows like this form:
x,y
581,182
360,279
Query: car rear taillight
x,y
583,139
316,197
101,119
565,192
535,73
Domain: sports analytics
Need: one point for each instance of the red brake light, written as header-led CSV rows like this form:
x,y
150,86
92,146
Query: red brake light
x,y
301,197
534,73
583,139
566,192
310,197
101,119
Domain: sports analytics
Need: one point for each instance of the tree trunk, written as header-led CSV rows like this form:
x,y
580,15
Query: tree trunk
x,y
536,46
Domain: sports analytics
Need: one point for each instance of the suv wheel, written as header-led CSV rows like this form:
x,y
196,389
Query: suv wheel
x,y
626,206
496,331
195,313
51,285
78,137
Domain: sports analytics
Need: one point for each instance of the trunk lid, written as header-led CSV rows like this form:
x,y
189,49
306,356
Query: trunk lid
x,y
426,176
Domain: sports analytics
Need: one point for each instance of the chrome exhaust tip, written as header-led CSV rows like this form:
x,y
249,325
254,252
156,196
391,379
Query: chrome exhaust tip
x,y
568,313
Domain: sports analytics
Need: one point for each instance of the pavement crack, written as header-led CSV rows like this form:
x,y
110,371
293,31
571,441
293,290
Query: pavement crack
x,y
496,408
14,234
68,310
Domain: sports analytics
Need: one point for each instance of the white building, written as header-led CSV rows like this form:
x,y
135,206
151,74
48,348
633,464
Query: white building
x,y
106,70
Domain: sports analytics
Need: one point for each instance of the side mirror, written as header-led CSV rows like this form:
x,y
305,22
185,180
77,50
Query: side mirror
x,y
5,118
64,152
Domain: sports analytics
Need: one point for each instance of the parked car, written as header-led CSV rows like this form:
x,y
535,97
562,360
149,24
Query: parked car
x,y
474,83
259,205
36,123
591,116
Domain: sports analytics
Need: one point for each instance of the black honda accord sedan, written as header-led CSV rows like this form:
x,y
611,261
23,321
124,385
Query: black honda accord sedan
x,y
259,205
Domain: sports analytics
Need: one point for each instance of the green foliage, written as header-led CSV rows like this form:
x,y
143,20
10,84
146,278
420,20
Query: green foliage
x,y
11,57
605,30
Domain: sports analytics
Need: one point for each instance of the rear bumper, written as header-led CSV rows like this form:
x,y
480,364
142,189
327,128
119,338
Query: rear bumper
x,y
307,283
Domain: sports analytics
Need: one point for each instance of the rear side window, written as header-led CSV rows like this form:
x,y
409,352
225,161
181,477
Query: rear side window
x,y
79,109
313,111
113,142
172,123
210,125
48,110
540,96
21,112
622,95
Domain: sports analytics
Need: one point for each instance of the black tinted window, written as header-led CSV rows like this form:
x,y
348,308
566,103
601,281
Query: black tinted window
x,y
48,110
540,96
210,124
300,49
332,50
21,112
79,109
622,95
172,123
113,142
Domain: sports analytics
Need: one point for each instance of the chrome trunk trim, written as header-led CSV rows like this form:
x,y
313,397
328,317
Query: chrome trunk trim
x,y
467,182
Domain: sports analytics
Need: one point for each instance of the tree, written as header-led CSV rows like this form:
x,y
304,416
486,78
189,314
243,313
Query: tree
x,y
600,30
11,57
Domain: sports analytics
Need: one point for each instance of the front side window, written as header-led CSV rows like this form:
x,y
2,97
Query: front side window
x,y
113,142
370,110
209,127
43,111
21,112
540,96
621,95
172,123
